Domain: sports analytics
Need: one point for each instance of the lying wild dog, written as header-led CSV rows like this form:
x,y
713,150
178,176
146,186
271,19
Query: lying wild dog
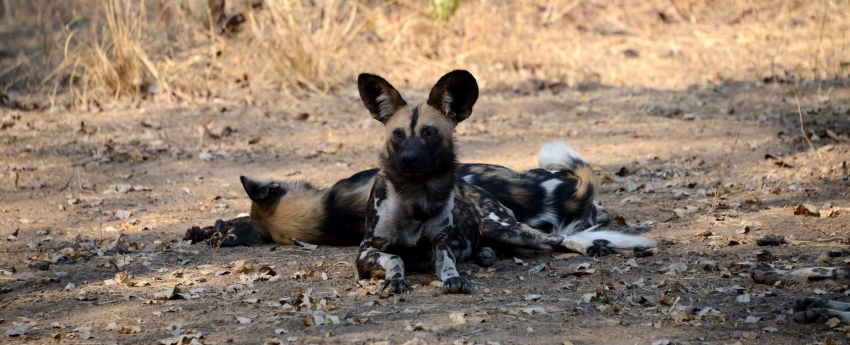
x,y
557,194
283,211
418,217
769,275
819,310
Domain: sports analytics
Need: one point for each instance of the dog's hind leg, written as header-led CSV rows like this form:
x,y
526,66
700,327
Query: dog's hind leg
x,y
821,315
372,262
497,223
809,302
485,257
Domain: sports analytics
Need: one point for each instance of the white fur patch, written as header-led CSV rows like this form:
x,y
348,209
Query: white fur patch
x,y
558,155
581,240
385,104
447,102
468,178
550,185
392,265
548,213
492,216
446,267
388,213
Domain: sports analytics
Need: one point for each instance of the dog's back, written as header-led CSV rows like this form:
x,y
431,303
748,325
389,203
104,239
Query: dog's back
x,y
556,194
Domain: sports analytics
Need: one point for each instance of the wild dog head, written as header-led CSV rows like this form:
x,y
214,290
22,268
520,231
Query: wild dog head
x,y
420,138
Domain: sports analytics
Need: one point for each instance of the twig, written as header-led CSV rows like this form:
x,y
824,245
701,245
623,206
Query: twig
x,y
68,183
79,180
820,40
800,112
673,306
716,199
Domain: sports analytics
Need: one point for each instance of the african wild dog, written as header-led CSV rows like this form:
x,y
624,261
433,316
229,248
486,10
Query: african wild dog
x,y
809,309
769,275
285,210
559,192
419,218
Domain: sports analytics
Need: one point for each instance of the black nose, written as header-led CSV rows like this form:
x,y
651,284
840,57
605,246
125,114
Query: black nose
x,y
409,158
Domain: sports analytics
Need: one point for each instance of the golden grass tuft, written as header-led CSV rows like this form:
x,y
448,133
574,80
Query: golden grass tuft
x,y
110,60
289,49
306,45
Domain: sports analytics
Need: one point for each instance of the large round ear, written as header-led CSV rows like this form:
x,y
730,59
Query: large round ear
x,y
260,190
381,98
454,95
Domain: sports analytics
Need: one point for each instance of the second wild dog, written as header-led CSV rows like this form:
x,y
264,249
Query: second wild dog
x,y
419,218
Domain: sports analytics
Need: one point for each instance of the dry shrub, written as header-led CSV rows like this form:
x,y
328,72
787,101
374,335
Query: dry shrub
x,y
290,49
110,60
306,45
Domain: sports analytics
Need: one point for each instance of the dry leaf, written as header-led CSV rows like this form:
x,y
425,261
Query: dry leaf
x,y
457,318
484,272
807,210
122,277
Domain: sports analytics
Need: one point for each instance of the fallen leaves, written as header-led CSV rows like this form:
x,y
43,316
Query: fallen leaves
x,y
827,211
484,272
324,148
171,294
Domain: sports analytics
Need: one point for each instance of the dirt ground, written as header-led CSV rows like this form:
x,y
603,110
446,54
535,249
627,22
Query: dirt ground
x,y
708,169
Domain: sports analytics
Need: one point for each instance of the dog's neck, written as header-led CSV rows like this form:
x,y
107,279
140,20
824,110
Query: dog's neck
x,y
421,196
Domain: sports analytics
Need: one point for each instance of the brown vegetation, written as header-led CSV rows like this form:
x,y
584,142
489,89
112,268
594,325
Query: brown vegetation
x,y
82,53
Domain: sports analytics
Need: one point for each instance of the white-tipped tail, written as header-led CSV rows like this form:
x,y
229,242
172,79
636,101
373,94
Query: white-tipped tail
x,y
580,240
558,155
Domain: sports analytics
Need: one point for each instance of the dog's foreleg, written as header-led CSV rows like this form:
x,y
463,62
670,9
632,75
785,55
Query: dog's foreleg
x,y
372,262
446,268
768,275
821,315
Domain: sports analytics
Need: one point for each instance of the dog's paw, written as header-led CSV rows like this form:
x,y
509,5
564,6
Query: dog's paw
x,y
396,285
601,248
814,315
486,257
807,302
197,234
457,285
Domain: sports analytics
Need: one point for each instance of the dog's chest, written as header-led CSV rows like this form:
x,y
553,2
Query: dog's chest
x,y
400,228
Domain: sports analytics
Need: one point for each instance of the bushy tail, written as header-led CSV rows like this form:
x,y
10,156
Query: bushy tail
x,y
558,155
579,240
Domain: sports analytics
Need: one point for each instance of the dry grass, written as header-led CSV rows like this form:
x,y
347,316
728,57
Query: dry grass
x,y
290,49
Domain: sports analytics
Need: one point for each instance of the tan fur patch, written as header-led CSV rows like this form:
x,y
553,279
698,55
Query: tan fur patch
x,y
293,216
586,179
572,207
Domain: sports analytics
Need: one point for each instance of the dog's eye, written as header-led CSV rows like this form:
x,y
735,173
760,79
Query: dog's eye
x,y
397,134
431,133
